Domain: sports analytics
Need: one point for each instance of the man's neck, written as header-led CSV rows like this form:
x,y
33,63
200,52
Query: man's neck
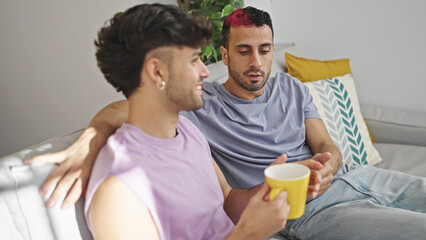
x,y
153,118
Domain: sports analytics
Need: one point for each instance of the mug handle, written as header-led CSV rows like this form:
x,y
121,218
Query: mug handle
x,y
274,193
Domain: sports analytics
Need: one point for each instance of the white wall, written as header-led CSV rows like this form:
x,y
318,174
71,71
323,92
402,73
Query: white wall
x,y
385,41
264,5
49,82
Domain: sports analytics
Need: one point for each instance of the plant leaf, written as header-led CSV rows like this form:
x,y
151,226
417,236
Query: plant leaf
x,y
207,52
218,25
237,4
209,4
216,16
227,10
214,54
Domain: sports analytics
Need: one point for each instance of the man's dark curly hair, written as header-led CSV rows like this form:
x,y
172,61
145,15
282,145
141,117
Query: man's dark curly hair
x,y
123,44
247,16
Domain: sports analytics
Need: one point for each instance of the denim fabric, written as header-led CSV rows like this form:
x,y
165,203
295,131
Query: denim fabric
x,y
366,203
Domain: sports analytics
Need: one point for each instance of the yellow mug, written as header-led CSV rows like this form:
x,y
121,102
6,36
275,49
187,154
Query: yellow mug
x,y
292,178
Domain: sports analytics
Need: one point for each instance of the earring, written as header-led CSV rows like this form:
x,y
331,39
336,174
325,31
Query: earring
x,y
161,85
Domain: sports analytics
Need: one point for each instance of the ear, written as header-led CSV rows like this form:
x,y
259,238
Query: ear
x,y
224,53
155,70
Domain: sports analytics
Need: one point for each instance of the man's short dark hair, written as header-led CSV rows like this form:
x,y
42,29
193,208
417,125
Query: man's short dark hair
x,y
123,44
247,16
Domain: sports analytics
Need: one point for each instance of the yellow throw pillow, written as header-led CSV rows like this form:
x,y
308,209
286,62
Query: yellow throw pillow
x,y
307,70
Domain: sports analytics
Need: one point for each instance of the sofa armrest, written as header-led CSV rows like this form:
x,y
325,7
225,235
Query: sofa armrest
x,y
23,214
389,125
50,145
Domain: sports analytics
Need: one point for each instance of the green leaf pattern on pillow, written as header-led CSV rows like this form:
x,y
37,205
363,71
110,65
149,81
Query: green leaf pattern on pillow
x,y
335,103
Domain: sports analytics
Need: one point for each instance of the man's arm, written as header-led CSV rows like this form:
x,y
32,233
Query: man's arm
x,y
321,144
132,220
250,209
261,218
236,200
76,161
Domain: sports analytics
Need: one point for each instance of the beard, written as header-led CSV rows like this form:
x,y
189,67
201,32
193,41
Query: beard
x,y
184,98
248,85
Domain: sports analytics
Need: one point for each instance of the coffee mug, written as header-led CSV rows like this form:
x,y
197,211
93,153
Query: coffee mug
x,y
292,178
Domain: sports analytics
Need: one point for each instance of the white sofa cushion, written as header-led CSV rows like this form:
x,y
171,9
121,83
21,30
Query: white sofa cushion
x,y
22,208
405,158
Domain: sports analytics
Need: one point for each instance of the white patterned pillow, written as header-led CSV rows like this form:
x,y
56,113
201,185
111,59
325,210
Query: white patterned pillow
x,y
337,103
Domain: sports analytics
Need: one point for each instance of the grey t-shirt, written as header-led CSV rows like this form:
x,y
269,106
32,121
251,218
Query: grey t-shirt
x,y
245,136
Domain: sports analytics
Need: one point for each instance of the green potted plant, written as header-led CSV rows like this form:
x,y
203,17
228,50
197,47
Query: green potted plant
x,y
215,11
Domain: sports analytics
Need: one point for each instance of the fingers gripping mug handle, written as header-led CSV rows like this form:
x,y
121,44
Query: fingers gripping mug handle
x,y
274,193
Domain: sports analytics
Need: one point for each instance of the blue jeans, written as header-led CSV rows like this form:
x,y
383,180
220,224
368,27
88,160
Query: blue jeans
x,y
366,203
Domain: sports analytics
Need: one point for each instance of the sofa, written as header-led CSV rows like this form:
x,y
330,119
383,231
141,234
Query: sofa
x,y
399,137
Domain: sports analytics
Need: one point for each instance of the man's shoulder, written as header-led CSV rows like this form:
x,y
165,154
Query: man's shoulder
x,y
211,88
185,122
286,81
119,144
188,127
118,139
213,94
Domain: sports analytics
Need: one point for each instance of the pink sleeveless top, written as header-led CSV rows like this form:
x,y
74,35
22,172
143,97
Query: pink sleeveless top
x,y
173,178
